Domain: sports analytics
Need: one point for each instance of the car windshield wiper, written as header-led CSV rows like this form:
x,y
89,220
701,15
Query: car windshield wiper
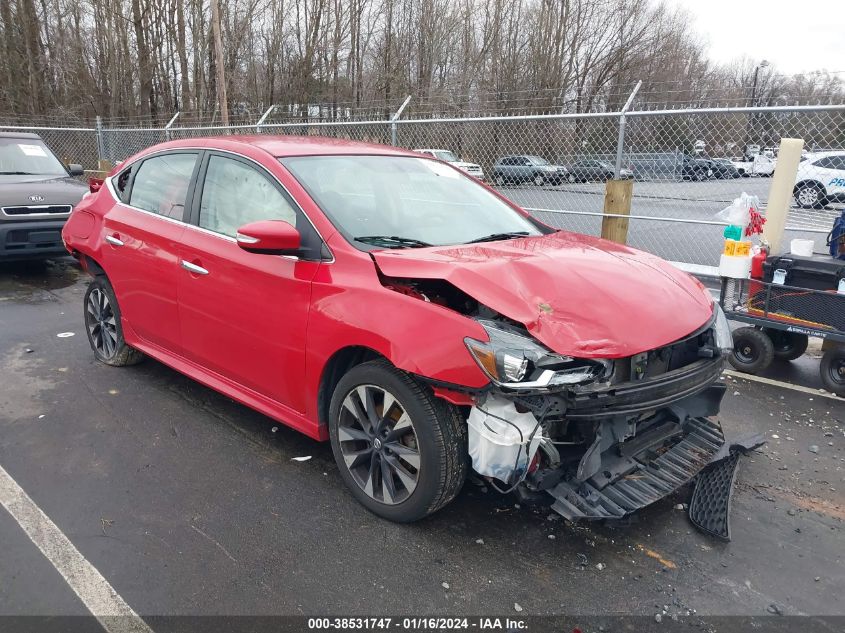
x,y
495,237
391,241
18,173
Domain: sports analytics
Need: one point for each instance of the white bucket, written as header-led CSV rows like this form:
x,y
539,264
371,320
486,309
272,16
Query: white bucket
x,y
735,267
499,439
801,247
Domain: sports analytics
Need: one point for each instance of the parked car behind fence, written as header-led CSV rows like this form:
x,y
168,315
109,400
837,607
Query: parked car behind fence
x,y
524,168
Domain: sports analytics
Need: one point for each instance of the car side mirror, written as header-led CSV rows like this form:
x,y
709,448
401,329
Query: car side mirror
x,y
269,237
75,170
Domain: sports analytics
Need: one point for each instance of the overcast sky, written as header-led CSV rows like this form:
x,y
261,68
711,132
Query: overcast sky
x,y
796,36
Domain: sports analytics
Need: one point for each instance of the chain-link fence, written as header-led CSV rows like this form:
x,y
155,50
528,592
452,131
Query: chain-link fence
x,y
687,164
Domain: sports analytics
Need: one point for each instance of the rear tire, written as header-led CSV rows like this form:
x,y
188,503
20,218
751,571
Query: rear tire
x,y
833,370
402,463
787,345
753,350
500,180
103,326
571,179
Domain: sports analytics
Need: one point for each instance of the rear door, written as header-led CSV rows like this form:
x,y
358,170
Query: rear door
x,y
140,243
243,315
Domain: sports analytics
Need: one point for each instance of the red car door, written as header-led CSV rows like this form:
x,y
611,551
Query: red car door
x,y
243,315
140,242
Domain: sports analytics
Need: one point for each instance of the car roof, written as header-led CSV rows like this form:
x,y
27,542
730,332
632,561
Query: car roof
x,y
815,155
284,146
18,135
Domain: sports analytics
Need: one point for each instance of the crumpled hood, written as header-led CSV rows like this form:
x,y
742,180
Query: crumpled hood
x,y
578,295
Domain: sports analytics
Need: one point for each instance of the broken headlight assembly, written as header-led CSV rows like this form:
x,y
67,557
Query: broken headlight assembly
x,y
516,361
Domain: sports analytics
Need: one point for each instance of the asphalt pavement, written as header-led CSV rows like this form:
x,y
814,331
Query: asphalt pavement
x,y
188,503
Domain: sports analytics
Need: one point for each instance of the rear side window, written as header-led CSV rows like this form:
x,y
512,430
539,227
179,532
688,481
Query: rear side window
x,y
121,184
831,162
161,184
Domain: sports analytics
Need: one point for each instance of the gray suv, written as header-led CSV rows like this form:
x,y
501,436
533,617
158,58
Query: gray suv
x,y
526,168
37,193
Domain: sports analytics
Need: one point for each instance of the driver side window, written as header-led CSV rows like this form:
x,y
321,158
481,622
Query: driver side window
x,y
235,194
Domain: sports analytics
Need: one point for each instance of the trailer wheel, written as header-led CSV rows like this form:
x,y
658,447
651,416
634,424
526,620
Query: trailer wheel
x,y
753,350
833,370
788,345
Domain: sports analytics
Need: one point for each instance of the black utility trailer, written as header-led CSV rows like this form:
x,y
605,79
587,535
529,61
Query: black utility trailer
x,y
780,319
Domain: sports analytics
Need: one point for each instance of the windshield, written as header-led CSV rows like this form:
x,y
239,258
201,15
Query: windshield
x,y
410,198
446,156
28,156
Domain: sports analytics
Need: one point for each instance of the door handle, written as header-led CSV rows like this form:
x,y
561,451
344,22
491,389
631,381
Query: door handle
x,y
197,270
111,239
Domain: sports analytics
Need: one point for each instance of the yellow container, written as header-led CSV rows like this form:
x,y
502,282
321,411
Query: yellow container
x,y
742,249
730,247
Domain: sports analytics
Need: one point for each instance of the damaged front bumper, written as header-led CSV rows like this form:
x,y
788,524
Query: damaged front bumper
x,y
650,473
605,451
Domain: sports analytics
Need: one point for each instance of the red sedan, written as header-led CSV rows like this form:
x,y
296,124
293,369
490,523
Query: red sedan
x,y
413,316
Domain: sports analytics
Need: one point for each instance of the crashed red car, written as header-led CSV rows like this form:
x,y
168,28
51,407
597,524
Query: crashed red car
x,y
418,320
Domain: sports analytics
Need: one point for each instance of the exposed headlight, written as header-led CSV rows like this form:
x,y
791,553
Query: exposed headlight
x,y
515,361
724,336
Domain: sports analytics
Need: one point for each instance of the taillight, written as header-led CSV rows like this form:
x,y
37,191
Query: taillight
x,y
94,184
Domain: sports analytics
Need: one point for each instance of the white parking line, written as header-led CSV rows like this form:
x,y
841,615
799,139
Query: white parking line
x,y
780,383
95,591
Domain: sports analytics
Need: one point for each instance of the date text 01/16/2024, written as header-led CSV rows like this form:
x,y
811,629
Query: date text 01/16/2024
x,y
416,623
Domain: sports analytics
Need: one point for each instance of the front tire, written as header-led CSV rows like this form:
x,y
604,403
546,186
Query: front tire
x,y
401,451
500,180
810,196
753,350
103,326
539,180
571,179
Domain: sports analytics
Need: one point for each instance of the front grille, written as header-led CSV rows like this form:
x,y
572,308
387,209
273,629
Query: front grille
x,y
41,209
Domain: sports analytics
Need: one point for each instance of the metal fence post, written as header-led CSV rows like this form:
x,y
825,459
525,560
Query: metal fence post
x,y
394,126
620,144
101,149
263,118
167,127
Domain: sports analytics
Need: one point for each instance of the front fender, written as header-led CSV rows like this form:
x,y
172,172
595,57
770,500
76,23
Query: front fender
x,y
419,337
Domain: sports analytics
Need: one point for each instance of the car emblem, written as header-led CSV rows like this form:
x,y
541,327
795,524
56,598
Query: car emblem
x,y
36,198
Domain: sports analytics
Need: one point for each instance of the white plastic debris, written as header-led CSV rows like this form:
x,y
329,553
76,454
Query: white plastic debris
x,y
445,585
600,566
301,459
517,607
64,334
502,441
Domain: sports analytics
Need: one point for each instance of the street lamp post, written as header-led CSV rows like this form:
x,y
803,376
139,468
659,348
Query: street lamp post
x,y
757,68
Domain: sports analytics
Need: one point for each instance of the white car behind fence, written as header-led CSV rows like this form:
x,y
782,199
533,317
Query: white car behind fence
x,y
820,180
472,169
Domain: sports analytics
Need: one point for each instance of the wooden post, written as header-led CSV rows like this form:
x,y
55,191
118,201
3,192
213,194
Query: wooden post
x,y
617,201
103,169
780,193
